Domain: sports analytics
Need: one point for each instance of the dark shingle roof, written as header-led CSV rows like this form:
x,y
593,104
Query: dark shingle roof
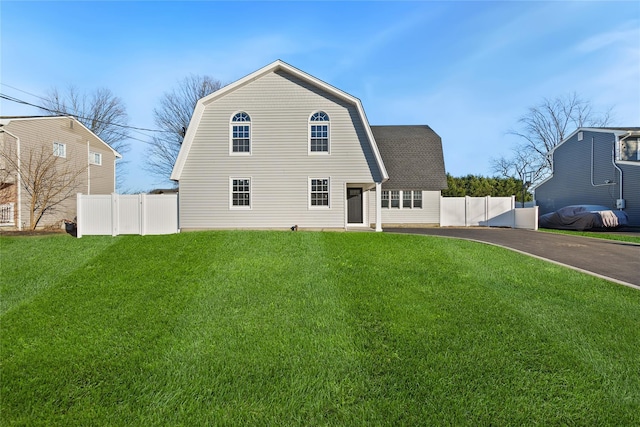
x,y
413,157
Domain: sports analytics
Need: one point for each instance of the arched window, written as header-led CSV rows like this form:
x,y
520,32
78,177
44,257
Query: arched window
x,y
319,132
241,133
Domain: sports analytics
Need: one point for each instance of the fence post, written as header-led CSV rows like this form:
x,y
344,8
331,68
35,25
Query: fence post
x,y
114,214
487,208
466,211
79,215
142,199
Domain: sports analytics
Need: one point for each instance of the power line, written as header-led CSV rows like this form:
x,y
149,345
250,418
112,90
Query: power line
x,y
23,91
20,101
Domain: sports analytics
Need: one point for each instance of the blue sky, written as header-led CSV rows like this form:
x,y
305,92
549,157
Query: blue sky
x,y
467,69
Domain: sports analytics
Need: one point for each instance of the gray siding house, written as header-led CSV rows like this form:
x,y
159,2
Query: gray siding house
x,y
598,166
32,141
280,148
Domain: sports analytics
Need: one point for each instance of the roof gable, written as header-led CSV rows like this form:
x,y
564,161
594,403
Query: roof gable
x,y
271,68
5,121
617,131
413,156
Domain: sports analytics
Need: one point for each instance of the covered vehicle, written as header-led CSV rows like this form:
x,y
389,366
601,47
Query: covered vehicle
x,y
583,217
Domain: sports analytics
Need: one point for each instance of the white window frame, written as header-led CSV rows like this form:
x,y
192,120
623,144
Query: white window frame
x,y
240,207
406,199
310,180
384,197
326,123
93,155
393,193
233,123
414,199
56,149
388,197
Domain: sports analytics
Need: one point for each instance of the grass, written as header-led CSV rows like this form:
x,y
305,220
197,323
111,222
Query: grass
x,y
597,235
273,328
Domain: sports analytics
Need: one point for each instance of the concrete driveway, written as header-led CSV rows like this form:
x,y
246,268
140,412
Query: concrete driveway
x,y
612,260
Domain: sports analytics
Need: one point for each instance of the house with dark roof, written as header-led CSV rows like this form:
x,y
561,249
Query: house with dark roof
x,y
280,148
595,166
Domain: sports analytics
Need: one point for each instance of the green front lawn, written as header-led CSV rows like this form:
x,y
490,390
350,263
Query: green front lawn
x,y
598,235
282,328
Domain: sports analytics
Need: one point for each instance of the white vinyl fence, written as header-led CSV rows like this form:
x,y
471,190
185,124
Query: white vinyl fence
x,y
486,212
114,214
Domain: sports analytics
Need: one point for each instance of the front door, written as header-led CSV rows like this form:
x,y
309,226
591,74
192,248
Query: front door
x,y
354,205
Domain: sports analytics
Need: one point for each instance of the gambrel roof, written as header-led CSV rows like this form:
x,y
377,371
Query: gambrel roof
x,y
271,68
413,156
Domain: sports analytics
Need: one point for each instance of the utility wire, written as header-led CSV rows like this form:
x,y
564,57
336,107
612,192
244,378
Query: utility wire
x,y
20,101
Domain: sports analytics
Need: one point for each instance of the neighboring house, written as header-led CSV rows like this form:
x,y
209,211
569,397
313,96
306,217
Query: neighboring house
x,y
61,141
280,148
596,166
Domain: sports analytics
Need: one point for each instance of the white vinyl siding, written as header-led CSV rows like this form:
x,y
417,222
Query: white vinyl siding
x,y
427,213
280,165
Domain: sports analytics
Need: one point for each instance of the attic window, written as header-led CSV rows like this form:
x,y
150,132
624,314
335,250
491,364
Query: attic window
x,y
580,136
319,133
240,133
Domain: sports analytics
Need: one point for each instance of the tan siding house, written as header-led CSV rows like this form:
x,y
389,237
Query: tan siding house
x,y
279,148
74,148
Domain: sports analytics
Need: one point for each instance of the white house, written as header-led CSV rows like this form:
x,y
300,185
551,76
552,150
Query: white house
x,y
280,147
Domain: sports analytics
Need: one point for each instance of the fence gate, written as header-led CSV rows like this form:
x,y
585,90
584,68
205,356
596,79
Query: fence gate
x,y
116,214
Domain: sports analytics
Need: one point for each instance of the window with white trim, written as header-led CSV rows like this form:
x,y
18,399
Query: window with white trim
x,y
241,133
385,199
406,199
240,193
410,199
319,132
395,198
319,192
59,149
417,199
95,158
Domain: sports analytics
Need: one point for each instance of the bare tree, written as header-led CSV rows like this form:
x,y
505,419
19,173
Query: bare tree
x,y
101,112
549,123
172,118
47,180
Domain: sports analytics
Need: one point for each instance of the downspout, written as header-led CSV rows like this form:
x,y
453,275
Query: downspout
x,y
19,179
88,168
19,184
613,160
